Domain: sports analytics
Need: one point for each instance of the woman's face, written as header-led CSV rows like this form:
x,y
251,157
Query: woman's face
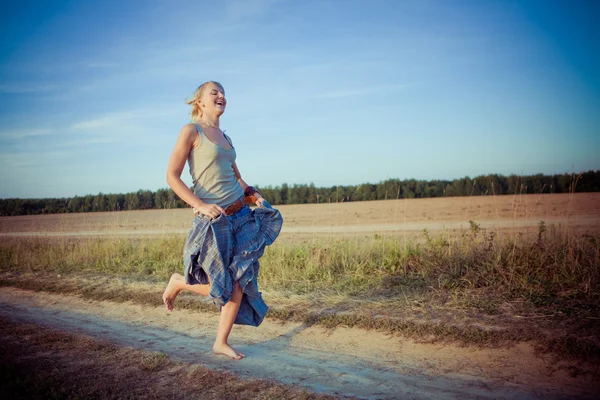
x,y
213,99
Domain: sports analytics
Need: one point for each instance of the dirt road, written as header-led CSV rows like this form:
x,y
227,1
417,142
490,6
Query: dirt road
x,y
342,361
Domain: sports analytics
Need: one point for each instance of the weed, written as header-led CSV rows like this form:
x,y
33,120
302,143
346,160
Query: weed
x,y
541,230
153,361
475,228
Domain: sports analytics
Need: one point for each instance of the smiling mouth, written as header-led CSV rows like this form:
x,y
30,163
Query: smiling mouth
x,y
220,103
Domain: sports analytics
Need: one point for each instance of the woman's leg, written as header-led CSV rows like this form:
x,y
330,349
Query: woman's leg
x,y
176,285
228,313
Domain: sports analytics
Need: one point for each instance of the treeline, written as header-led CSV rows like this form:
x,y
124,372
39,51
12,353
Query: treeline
x,y
140,200
411,188
303,193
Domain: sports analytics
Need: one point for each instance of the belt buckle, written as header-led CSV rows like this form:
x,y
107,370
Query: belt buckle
x,y
233,208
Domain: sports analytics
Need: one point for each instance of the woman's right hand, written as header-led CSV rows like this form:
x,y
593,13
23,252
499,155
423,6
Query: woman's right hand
x,y
212,211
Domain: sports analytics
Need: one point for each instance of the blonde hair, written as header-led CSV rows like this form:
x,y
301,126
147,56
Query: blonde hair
x,y
196,112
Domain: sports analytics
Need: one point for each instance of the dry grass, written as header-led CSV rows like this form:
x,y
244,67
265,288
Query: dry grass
x,y
549,268
48,364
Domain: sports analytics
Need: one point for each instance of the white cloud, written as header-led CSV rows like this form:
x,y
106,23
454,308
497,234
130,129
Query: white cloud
x,y
12,134
115,120
101,64
240,10
93,140
101,122
17,160
361,91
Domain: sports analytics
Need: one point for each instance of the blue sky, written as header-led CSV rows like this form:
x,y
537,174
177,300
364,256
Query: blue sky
x,y
331,92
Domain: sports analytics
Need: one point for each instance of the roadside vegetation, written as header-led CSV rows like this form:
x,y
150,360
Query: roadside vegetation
x,y
478,287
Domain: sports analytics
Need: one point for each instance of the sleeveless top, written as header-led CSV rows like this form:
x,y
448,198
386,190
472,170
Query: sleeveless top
x,y
211,167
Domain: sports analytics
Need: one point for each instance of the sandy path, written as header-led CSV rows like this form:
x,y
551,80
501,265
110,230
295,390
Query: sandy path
x,y
340,361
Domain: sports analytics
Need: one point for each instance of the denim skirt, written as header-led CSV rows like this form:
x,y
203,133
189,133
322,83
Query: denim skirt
x,y
227,250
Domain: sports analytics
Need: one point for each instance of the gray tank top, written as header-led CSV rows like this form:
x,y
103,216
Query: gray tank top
x,y
211,167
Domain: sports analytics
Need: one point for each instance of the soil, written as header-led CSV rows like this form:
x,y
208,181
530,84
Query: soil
x,y
341,361
579,212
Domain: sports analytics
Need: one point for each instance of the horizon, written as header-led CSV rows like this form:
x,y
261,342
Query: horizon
x,y
324,92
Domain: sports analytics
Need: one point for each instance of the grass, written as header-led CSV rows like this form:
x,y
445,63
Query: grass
x,y
478,287
547,268
551,265
121,256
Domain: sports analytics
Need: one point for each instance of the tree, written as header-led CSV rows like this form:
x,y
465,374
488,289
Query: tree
x,y
161,198
100,203
146,200
284,193
132,201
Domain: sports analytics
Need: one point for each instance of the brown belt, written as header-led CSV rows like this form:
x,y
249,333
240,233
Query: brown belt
x,y
239,204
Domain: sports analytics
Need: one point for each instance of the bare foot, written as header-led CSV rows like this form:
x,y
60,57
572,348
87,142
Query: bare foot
x,y
172,290
228,351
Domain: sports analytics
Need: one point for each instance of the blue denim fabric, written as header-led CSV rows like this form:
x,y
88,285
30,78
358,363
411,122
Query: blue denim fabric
x,y
227,249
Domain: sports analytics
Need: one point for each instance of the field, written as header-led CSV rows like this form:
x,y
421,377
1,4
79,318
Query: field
x,y
472,297
579,212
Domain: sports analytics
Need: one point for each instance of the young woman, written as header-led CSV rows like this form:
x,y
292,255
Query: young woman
x,y
227,238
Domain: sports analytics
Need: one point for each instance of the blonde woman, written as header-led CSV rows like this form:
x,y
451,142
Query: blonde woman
x,y
227,238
